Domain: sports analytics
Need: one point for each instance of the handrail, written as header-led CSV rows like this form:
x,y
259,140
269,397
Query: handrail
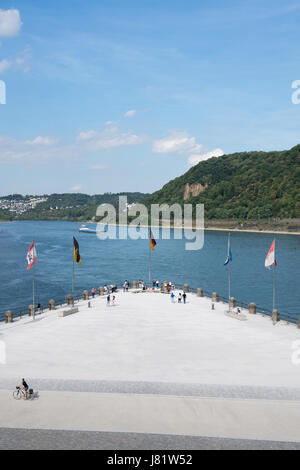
x,y
290,318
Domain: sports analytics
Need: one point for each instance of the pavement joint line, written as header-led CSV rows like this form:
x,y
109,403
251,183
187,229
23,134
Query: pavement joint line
x,y
154,395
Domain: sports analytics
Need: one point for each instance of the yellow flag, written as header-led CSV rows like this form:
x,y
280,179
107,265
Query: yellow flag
x,y
76,254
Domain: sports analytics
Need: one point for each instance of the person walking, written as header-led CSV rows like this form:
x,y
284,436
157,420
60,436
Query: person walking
x,y
173,298
179,298
108,300
184,298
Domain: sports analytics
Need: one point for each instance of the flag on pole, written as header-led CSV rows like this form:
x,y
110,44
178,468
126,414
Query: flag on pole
x,y
229,253
271,259
31,256
152,241
76,252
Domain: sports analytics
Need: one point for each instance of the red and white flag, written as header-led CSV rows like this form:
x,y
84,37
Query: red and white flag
x,y
271,259
31,256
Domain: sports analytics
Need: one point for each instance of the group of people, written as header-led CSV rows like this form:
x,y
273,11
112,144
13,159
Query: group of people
x,y
110,288
155,285
142,285
181,297
111,300
170,286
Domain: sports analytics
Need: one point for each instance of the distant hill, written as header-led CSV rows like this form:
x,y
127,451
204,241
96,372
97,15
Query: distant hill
x,y
79,207
248,185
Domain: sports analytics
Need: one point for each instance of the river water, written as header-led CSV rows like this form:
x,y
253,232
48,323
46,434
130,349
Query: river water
x,y
109,261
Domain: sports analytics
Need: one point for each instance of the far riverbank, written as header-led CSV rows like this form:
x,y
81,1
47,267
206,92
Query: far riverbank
x,y
239,229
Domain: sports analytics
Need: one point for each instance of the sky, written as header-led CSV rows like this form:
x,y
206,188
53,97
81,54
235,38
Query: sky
x,y
113,96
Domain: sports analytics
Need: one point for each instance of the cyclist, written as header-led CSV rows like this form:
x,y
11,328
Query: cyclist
x,y
25,387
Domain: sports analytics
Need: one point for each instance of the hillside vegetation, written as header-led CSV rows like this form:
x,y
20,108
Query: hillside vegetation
x,y
248,185
69,206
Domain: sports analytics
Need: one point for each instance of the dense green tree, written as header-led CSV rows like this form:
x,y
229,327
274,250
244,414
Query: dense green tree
x,y
248,185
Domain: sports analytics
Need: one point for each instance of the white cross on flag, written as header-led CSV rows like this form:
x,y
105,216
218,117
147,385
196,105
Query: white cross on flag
x,y
31,256
271,259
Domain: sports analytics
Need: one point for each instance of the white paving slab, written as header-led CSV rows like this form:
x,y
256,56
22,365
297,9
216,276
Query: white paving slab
x,y
146,338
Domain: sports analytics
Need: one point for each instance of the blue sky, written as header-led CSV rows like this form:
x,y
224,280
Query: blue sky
x,y
109,96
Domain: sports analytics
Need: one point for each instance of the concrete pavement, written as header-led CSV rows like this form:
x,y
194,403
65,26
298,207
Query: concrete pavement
x,y
39,439
153,414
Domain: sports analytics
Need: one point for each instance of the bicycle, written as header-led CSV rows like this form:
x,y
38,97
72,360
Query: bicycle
x,y
19,394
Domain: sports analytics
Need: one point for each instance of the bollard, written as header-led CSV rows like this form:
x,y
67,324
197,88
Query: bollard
x,y
100,291
276,316
186,288
31,310
213,306
70,300
252,308
232,302
199,292
51,304
89,305
86,295
215,297
134,284
9,317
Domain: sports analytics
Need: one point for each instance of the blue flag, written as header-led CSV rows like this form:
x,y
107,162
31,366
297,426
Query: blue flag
x,y
229,254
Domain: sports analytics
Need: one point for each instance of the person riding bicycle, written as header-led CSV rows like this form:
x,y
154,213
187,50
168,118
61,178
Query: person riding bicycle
x,y
25,387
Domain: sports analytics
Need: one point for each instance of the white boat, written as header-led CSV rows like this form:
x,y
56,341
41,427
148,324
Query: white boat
x,y
85,229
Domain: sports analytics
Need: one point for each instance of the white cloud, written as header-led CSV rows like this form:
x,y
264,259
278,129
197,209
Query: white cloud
x,y
77,187
177,142
48,148
23,59
4,65
182,144
130,113
110,138
195,159
38,149
45,141
111,123
10,22
99,167
89,135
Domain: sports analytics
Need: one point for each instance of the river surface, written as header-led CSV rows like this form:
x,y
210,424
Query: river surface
x,y
113,261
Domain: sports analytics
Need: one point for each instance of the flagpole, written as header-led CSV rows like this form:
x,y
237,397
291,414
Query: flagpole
x,y
149,263
33,291
73,274
229,285
229,272
274,287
